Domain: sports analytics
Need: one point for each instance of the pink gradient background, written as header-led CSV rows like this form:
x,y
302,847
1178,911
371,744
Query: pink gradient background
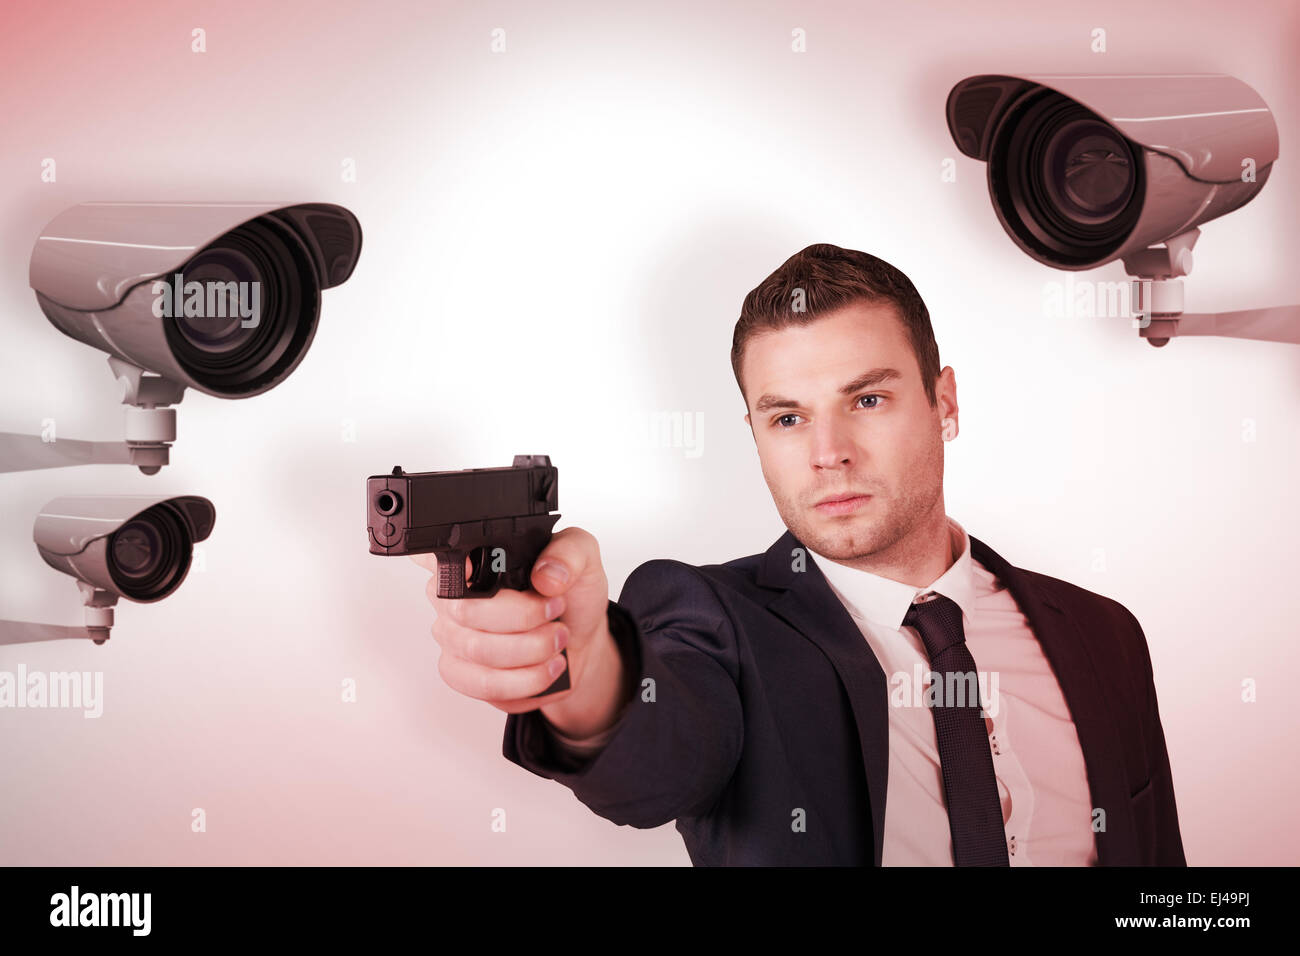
x,y
601,196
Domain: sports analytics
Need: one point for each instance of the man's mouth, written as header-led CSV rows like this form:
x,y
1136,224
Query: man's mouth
x,y
843,504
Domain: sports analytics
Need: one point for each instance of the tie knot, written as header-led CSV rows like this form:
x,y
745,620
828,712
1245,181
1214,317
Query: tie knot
x,y
939,621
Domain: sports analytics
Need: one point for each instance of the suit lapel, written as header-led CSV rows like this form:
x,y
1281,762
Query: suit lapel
x,y
805,601
1081,680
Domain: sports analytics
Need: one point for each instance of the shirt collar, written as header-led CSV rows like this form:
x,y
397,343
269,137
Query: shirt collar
x,y
886,602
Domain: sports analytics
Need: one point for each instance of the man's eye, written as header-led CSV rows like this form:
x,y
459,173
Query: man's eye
x,y
781,419
873,395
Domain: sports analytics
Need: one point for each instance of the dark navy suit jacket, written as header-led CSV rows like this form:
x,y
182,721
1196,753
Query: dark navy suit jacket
x,y
768,701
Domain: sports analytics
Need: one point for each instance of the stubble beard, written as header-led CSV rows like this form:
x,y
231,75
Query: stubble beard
x,y
872,531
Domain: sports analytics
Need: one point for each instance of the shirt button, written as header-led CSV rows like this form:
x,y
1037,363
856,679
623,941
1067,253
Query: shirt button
x,y
1011,844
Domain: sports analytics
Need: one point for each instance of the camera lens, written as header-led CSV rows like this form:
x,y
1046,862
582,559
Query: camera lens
x,y
1087,172
259,299
150,554
137,549
225,277
1066,184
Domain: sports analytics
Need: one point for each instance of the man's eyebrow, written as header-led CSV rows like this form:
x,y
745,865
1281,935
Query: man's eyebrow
x,y
876,376
868,379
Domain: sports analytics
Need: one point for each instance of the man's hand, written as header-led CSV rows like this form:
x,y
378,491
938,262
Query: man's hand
x,y
505,648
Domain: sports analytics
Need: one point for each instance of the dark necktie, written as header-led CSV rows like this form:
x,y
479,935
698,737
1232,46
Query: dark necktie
x,y
969,784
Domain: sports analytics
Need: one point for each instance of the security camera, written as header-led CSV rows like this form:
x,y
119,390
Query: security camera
x,y
220,297
134,546
1084,170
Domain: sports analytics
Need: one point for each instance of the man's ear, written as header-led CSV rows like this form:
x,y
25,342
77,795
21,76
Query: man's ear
x,y
748,422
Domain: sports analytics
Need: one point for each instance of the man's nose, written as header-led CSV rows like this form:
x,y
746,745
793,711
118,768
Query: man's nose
x,y
832,446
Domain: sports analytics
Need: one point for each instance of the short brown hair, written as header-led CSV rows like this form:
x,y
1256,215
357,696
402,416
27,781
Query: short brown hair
x,y
831,278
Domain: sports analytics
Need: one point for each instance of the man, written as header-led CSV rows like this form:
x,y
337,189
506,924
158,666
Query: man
x,y
805,706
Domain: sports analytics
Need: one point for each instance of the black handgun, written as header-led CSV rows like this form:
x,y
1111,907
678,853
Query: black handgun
x,y
500,517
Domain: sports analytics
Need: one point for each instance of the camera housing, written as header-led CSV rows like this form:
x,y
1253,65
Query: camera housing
x,y
134,546
1083,170
100,270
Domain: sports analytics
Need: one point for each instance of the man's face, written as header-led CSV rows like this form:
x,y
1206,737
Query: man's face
x,y
830,419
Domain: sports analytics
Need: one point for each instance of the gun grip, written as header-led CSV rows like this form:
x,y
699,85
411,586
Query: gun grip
x,y
452,584
561,682
451,574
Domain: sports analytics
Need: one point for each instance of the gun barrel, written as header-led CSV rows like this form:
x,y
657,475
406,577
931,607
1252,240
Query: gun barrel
x,y
408,511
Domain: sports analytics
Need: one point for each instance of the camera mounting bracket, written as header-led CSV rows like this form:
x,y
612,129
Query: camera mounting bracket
x,y
99,611
1156,291
150,430
1156,301
150,424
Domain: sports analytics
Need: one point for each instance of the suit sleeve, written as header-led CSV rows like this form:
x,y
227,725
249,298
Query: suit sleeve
x,y
679,737
1168,838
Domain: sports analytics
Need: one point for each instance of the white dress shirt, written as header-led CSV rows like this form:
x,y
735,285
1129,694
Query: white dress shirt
x,y
1042,780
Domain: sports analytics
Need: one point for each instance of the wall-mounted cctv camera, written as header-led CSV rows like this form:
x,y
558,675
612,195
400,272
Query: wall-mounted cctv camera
x,y
133,546
137,547
219,297
1084,170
